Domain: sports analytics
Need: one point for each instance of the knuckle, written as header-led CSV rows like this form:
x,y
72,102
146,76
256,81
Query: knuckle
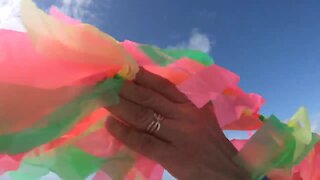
x,y
147,99
144,96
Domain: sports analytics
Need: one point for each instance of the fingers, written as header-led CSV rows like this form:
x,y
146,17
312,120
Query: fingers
x,y
148,99
139,117
160,85
140,142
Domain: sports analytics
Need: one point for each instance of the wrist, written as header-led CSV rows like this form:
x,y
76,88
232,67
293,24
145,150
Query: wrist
x,y
236,171
224,169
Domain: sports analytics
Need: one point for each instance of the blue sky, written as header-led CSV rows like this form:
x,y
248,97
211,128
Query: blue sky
x,y
273,45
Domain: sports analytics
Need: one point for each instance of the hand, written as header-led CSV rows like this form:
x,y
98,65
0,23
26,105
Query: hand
x,y
189,143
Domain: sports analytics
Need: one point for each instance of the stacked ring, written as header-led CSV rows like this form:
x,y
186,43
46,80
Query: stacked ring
x,y
155,125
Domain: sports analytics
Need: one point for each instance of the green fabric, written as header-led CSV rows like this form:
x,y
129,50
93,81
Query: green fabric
x,y
165,57
72,163
284,145
68,163
280,144
62,120
199,56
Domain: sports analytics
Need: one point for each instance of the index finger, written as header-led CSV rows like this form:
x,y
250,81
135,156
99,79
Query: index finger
x,y
160,85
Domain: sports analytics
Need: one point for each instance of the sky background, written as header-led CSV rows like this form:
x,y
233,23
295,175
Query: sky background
x,y
273,45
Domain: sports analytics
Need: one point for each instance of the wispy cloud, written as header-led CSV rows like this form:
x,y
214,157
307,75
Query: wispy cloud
x,y
78,9
10,12
196,41
315,122
10,15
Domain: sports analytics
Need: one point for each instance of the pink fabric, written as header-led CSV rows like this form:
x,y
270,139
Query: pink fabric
x,y
101,176
232,106
99,144
149,169
8,163
18,55
207,84
64,60
309,167
188,66
177,72
235,110
239,143
62,39
136,53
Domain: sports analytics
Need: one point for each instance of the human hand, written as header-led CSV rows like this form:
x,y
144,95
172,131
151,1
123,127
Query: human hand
x,y
189,143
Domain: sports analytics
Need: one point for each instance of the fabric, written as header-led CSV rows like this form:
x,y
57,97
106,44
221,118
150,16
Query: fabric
x,y
58,79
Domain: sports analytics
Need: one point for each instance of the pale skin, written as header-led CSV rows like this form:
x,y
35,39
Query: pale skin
x,y
190,144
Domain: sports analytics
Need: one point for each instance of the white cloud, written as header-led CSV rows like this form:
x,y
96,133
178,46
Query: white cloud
x,y
76,8
10,15
315,122
10,12
197,41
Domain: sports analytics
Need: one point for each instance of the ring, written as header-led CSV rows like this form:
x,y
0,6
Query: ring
x,y
155,125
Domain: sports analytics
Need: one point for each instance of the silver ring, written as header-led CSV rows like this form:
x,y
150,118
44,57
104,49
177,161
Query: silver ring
x,y
155,125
